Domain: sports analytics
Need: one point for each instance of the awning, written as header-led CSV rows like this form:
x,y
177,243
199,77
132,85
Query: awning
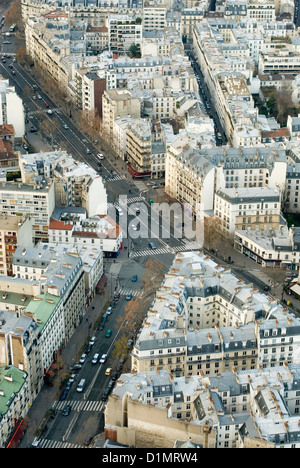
x,y
135,173
296,289
102,282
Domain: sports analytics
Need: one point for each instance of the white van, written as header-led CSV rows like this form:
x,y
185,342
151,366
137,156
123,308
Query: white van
x,y
81,385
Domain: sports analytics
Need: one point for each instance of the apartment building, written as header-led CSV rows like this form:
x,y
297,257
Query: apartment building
x,y
11,112
62,297
76,183
98,232
204,320
154,18
15,403
20,347
271,248
96,38
36,200
117,103
123,32
193,176
254,409
13,232
256,208
47,46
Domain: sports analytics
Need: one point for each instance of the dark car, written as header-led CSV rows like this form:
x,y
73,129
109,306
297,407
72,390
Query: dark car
x,y
66,411
88,440
63,394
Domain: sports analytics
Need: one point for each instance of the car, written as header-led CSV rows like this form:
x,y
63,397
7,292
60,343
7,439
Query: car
x,y
88,440
95,358
66,411
88,349
46,104
101,326
117,296
113,304
88,151
134,278
109,311
104,318
82,358
111,383
115,376
63,394
134,228
108,334
13,72
66,126
49,111
77,367
108,371
128,297
92,341
130,342
25,147
6,42
103,358
39,96
72,378
152,246
104,397
100,156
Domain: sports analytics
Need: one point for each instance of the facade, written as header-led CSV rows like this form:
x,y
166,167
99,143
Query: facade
x,y
20,347
15,401
99,232
11,110
117,103
123,32
248,208
13,232
34,200
272,248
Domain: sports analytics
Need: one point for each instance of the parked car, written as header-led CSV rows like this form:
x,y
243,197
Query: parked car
x,y
109,311
63,394
134,278
130,342
92,341
108,371
82,358
88,440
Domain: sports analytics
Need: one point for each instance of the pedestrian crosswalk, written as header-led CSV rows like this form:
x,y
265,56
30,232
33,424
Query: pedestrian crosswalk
x,y
165,250
80,405
50,444
114,179
133,292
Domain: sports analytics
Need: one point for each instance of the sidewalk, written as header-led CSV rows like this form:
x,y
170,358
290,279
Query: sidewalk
x,y
70,353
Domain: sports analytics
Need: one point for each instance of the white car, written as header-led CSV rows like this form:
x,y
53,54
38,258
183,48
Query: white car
x,y
39,96
134,227
95,358
82,359
109,311
49,111
100,156
92,341
66,127
103,358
